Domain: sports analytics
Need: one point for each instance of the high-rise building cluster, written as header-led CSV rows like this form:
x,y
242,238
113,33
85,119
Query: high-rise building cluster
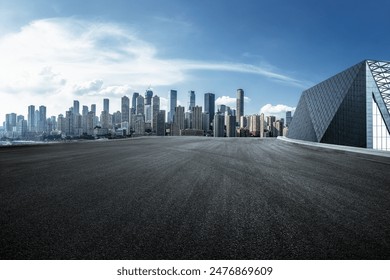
x,y
143,117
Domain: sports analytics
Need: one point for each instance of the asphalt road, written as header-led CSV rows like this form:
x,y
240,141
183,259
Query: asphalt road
x,y
192,198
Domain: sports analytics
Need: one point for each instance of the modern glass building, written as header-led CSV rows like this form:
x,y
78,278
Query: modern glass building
x,y
351,108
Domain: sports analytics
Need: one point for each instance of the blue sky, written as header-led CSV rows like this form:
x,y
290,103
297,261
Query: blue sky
x,y
52,52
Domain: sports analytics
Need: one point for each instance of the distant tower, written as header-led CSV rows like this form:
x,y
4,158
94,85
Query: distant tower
x,y
61,123
148,97
42,119
10,122
106,105
31,118
84,118
197,117
219,122
173,104
160,127
179,117
191,94
155,111
288,118
125,106
69,120
271,125
209,107
93,109
76,107
240,105
230,126
254,125
134,102
148,106
140,105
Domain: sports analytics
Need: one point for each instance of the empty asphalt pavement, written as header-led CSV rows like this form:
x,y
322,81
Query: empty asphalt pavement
x,y
192,198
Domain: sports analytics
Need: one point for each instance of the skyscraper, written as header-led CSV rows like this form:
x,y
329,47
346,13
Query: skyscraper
x,y
155,111
173,104
254,125
90,121
148,106
31,119
140,105
36,121
10,122
197,117
262,125
179,117
271,125
85,110
230,125
93,109
104,119
69,120
125,109
134,102
148,97
42,119
61,123
106,105
191,95
160,127
219,123
76,107
288,118
84,118
209,107
240,105
139,122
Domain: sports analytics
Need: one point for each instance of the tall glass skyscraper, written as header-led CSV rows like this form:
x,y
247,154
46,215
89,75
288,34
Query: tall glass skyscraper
x,y
140,105
351,108
209,106
106,105
76,107
155,111
134,102
148,97
125,104
42,119
172,105
240,105
31,118
191,95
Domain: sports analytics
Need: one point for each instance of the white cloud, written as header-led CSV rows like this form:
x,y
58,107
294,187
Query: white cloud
x,y
225,100
229,101
67,58
276,110
90,87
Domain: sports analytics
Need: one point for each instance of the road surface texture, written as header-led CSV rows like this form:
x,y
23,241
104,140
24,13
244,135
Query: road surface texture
x,y
192,198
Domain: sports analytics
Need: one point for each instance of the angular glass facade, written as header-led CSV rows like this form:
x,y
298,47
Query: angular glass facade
x,y
347,109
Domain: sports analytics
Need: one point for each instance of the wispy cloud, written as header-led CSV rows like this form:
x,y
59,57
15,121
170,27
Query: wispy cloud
x,y
69,58
240,68
79,51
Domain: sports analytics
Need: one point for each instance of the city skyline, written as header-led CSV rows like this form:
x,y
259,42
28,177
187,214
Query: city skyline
x,y
144,117
53,53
